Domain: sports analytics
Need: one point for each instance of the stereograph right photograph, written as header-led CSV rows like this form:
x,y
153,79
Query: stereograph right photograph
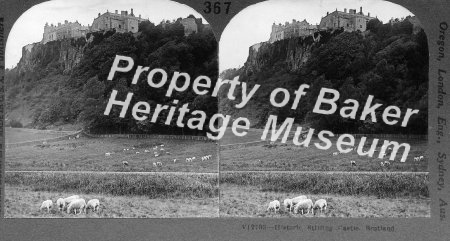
x,y
336,98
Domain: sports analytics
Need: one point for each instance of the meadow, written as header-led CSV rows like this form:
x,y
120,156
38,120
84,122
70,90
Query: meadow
x,y
121,194
88,154
15,135
23,202
250,201
247,194
289,157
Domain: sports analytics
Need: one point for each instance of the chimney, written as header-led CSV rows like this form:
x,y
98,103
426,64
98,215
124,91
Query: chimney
x,y
131,12
345,10
139,16
99,14
368,14
360,10
116,11
328,13
126,13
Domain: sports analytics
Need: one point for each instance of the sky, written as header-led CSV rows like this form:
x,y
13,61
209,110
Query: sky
x,y
30,26
254,24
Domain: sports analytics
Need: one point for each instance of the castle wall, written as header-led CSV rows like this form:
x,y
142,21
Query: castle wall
x,y
189,26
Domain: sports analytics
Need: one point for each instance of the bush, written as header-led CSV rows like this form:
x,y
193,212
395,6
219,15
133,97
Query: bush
x,y
15,124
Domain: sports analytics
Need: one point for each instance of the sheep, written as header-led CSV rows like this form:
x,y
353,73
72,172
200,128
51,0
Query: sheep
x,y
416,159
159,164
168,153
203,158
124,163
174,160
193,158
353,163
146,151
287,203
162,149
156,155
46,204
154,164
78,136
108,154
274,205
303,204
79,204
420,158
320,204
137,152
93,204
297,199
382,164
387,163
161,145
60,204
70,199
335,153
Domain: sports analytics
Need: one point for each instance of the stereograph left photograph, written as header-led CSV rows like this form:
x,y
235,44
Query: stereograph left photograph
x,y
87,133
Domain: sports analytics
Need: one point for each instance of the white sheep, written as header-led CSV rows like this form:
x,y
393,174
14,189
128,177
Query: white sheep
x,y
60,204
287,203
125,163
320,204
108,154
162,145
137,152
387,163
67,200
420,158
93,204
154,164
79,204
382,164
274,205
353,163
297,199
303,204
46,204
78,136
416,159
174,160
159,164
162,149
146,151
335,153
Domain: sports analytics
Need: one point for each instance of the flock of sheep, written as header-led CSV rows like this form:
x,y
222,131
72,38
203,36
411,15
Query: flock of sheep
x,y
158,150
73,203
300,203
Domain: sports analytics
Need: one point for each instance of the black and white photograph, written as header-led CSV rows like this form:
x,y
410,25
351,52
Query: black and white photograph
x,y
338,111
99,119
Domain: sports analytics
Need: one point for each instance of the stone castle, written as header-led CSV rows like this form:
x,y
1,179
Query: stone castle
x,y
350,21
62,31
122,22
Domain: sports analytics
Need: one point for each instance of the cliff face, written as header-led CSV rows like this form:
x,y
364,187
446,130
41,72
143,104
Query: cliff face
x,y
63,55
293,52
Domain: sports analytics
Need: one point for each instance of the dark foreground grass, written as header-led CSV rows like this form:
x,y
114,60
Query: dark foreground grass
x,y
376,184
154,185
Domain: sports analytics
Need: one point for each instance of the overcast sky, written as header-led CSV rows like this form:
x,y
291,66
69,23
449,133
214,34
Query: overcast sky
x,y
30,26
253,24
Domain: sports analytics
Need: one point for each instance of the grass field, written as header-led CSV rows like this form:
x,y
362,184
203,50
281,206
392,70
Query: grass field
x,y
14,135
251,201
23,202
122,194
86,154
289,157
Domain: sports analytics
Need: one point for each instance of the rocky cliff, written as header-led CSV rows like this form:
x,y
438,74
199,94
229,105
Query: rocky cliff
x,y
293,52
61,56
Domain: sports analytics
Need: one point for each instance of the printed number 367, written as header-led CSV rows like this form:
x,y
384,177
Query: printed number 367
x,y
216,7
